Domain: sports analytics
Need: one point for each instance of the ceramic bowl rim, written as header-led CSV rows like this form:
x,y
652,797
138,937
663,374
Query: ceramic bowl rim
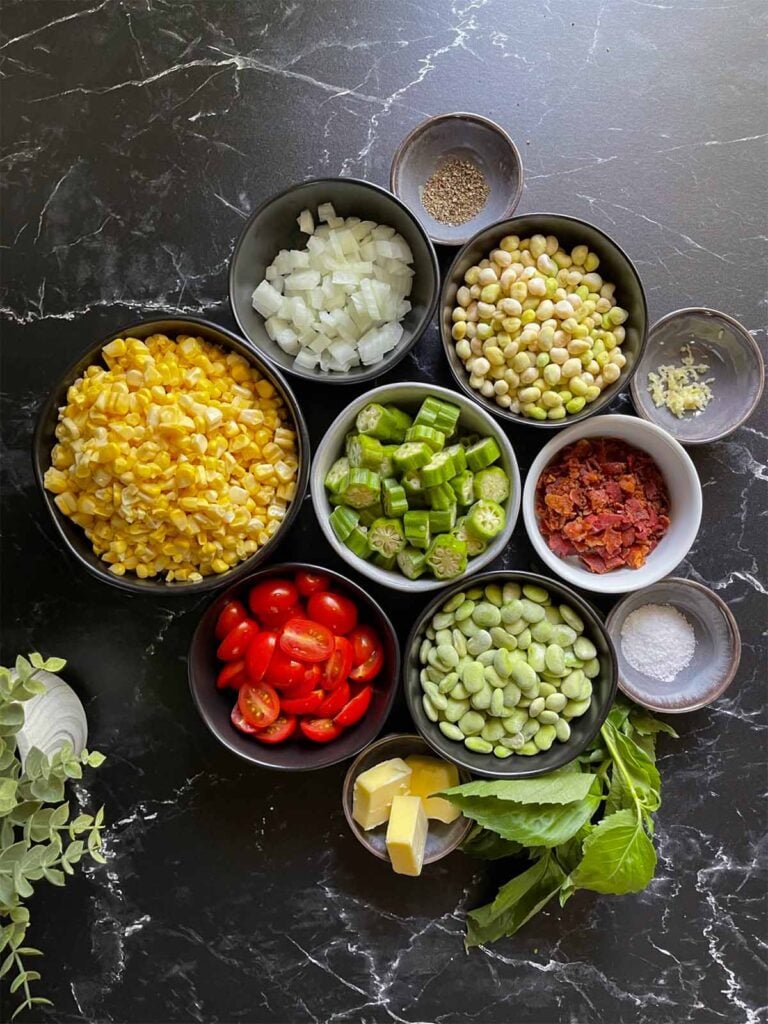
x,y
397,668
157,586
392,358
408,140
754,351
609,393
389,578
355,829
527,770
573,575
733,631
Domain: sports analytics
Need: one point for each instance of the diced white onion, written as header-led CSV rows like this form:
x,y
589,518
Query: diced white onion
x,y
337,303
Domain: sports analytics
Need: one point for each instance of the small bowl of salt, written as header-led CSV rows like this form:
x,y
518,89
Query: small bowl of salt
x,y
677,645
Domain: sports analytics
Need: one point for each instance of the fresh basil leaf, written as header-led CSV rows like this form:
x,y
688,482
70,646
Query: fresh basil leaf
x,y
488,846
515,903
618,856
559,787
647,725
530,824
640,768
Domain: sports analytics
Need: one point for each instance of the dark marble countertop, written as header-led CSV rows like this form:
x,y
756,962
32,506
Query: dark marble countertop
x,y
137,135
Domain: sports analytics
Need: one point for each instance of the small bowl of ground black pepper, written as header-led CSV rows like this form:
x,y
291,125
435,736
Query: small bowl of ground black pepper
x,y
457,173
677,644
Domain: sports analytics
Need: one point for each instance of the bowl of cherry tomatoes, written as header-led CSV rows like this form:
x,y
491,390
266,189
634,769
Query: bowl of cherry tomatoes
x,y
294,668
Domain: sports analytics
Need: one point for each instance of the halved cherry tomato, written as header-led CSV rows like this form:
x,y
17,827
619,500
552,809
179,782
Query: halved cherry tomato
x,y
334,701
368,654
282,727
306,705
313,674
310,582
306,640
235,643
335,611
259,655
339,665
284,672
320,730
232,613
232,674
272,601
259,704
309,682
236,717
354,709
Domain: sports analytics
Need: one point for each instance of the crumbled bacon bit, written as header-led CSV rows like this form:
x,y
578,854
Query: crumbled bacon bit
x,y
604,501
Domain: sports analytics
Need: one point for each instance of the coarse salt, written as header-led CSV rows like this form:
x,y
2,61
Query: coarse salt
x,y
658,641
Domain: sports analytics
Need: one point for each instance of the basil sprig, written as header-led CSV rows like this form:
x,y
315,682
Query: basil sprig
x,y
588,825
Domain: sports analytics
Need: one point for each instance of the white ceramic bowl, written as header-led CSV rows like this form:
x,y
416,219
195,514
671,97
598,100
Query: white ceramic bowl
x,y
684,490
410,396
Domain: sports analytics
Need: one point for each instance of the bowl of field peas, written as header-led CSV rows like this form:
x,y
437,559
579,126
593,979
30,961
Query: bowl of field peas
x,y
415,486
509,674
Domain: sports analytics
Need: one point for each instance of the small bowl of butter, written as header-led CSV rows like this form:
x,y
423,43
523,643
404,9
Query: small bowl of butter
x,y
390,806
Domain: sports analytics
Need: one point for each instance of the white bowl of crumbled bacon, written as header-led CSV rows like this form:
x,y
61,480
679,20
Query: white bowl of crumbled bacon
x,y
612,504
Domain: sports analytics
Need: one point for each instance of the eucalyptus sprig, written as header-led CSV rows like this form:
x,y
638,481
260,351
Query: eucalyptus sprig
x,y
38,841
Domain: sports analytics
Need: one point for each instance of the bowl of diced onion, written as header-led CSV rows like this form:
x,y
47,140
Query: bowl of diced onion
x,y
333,279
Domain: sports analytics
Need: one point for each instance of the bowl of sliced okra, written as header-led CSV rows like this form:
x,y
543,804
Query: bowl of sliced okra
x,y
415,486
509,674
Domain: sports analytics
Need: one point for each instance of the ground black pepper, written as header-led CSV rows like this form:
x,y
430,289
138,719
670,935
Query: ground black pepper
x,y
455,192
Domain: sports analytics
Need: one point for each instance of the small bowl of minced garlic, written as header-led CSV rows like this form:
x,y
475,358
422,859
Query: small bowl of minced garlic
x,y
701,375
457,173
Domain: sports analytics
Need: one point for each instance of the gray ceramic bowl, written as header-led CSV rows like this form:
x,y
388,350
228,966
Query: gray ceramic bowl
x,y
296,754
463,137
715,659
273,226
615,266
583,730
74,537
442,839
410,396
735,366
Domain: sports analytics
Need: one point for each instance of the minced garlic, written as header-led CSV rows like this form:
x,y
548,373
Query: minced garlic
x,y
681,388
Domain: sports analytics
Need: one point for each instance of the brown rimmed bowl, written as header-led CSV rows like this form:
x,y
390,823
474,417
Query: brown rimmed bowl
x,y
715,659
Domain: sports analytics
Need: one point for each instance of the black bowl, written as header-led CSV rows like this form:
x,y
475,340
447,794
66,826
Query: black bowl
x,y
615,266
273,227
295,755
73,535
583,730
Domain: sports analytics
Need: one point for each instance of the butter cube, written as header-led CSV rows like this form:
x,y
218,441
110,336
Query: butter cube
x,y
376,788
407,835
431,775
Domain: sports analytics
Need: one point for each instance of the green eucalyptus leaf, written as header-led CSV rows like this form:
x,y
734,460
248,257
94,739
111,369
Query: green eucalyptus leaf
x,y
8,789
11,714
20,915
23,888
80,823
19,980
74,851
7,756
12,855
60,815
36,763
7,892
54,876
40,1001
98,857
9,730
515,903
52,853
7,964
23,811
37,659
49,790
618,856
54,664
29,951
559,787
23,667
99,819
33,859
73,769
96,759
